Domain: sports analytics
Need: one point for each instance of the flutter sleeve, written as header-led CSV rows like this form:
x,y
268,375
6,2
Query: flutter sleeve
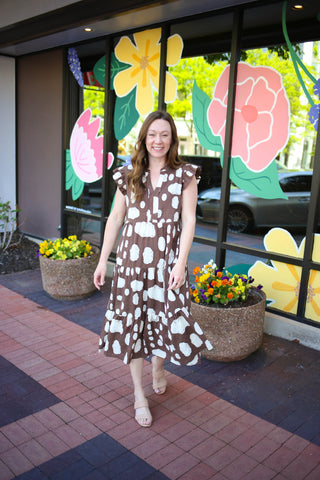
x,y
188,171
120,178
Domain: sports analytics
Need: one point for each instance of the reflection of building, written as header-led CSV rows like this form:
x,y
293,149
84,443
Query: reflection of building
x,y
40,101
301,153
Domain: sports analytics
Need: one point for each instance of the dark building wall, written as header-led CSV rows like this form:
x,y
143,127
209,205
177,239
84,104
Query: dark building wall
x,y
39,142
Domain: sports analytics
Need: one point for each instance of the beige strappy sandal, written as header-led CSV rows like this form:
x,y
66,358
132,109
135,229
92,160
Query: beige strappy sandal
x,y
159,383
143,419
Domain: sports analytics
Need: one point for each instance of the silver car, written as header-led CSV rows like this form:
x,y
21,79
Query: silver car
x,y
247,211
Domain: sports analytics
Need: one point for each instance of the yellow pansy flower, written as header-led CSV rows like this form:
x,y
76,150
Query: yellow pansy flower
x,y
144,58
281,281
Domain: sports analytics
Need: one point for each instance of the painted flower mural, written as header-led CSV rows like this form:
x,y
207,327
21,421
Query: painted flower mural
x,y
261,117
143,56
86,148
281,281
299,65
260,129
84,161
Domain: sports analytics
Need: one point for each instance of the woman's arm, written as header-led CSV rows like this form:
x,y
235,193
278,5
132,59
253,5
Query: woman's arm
x,y
188,218
111,232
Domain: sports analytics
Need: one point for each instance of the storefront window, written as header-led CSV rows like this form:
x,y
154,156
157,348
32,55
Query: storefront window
x,y
266,120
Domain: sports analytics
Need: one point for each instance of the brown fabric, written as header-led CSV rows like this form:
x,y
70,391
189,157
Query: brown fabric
x,y
144,317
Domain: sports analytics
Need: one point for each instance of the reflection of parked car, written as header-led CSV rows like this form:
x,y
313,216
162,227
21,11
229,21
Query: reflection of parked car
x,y
211,170
247,210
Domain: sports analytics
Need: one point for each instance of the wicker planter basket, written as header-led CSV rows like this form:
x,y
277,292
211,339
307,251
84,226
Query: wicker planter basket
x,y
234,332
69,279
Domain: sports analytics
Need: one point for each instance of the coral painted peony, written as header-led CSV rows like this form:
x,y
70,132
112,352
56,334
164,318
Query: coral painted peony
x,y
262,114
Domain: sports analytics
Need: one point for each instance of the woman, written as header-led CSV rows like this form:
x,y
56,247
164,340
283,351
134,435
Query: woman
x,y
149,307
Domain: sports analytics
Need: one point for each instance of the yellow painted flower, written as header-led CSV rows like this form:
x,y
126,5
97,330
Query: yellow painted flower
x,y
281,281
313,300
144,58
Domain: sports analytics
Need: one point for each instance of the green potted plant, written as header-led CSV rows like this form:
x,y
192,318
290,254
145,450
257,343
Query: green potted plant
x,y
67,266
230,310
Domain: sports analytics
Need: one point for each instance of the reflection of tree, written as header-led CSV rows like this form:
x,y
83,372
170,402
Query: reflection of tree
x,y
186,72
93,97
281,50
300,127
206,71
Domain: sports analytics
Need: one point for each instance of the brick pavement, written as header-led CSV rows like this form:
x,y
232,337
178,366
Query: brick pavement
x,y
66,411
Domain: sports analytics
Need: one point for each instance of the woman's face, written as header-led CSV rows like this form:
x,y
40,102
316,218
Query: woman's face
x,y
158,139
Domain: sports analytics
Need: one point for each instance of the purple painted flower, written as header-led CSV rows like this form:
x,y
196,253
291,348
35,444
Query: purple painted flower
x,y
74,64
314,115
316,88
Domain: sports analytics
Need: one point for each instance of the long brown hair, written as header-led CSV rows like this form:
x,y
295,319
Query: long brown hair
x,y
140,160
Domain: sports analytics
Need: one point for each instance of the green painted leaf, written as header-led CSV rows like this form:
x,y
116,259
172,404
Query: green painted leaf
x,y
116,67
99,70
72,180
77,188
200,105
125,115
70,174
263,184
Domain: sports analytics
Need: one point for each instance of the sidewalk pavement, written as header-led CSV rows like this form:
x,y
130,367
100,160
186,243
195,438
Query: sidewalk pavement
x,y
67,411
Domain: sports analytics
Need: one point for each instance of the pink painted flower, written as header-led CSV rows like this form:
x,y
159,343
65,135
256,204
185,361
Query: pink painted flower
x,y
86,148
262,114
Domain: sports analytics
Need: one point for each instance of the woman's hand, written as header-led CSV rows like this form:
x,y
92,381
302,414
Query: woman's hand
x,y
177,276
111,232
99,275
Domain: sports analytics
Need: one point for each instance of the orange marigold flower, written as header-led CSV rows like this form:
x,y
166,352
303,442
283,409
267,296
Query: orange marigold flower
x,y
230,295
210,291
213,283
219,274
196,270
224,281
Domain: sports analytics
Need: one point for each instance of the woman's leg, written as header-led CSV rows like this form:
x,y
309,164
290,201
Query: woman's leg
x,y
143,415
159,379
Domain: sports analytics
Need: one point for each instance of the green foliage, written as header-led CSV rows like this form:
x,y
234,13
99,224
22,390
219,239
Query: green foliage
x,y
7,224
188,71
281,50
93,98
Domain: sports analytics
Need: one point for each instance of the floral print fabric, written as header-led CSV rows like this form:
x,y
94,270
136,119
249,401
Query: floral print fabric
x,y
144,317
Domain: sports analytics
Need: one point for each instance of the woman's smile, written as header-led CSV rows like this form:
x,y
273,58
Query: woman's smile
x,y
158,139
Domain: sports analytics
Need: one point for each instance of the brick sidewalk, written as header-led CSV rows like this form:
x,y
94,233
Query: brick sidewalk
x,y
67,414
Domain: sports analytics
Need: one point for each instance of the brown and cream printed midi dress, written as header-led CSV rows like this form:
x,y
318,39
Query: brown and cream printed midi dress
x,y
144,317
